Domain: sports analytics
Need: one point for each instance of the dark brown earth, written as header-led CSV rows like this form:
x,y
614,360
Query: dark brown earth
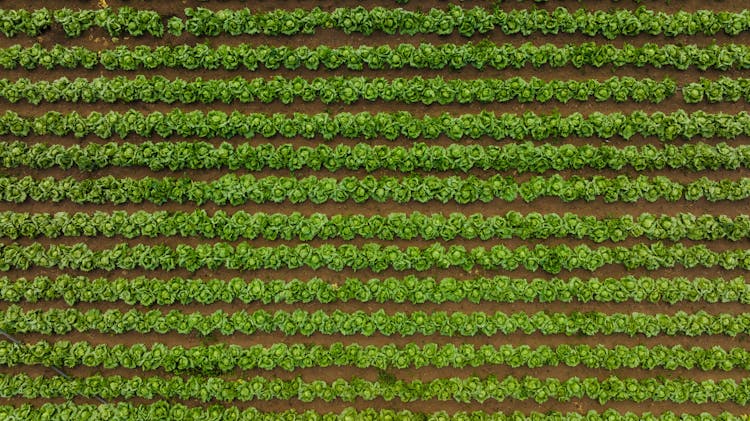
x,y
97,39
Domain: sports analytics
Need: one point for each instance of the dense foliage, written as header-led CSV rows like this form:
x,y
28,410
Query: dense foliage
x,y
300,322
123,21
522,157
467,22
246,188
146,291
211,212
721,89
206,22
423,56
416,225
469,389
371,256
22,21
334,89
365,125
223,358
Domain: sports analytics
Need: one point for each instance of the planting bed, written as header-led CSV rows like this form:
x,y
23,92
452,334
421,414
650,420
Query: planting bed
x,y
499,211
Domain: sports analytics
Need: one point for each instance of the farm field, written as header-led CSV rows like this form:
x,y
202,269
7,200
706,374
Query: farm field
x,y
298,210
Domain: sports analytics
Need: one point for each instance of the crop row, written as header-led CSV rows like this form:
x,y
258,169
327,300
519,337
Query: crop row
x,y
352,89
74,23
204,22
161,410
522,157
243,189
295,226
409,289
423,56
223,358
366,125
721,89
372,256
299,322
469,389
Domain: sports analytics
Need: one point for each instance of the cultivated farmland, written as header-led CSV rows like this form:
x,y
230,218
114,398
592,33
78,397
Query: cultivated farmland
x,y
300,210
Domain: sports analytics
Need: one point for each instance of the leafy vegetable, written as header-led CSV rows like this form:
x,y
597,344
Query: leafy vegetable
x,y
444,56
469,389
60,321
156,411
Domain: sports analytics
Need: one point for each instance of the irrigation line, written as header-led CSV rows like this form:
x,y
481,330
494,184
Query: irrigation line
x,y
55,368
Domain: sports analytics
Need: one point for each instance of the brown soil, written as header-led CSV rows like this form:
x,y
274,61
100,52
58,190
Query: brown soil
x,y
97,39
